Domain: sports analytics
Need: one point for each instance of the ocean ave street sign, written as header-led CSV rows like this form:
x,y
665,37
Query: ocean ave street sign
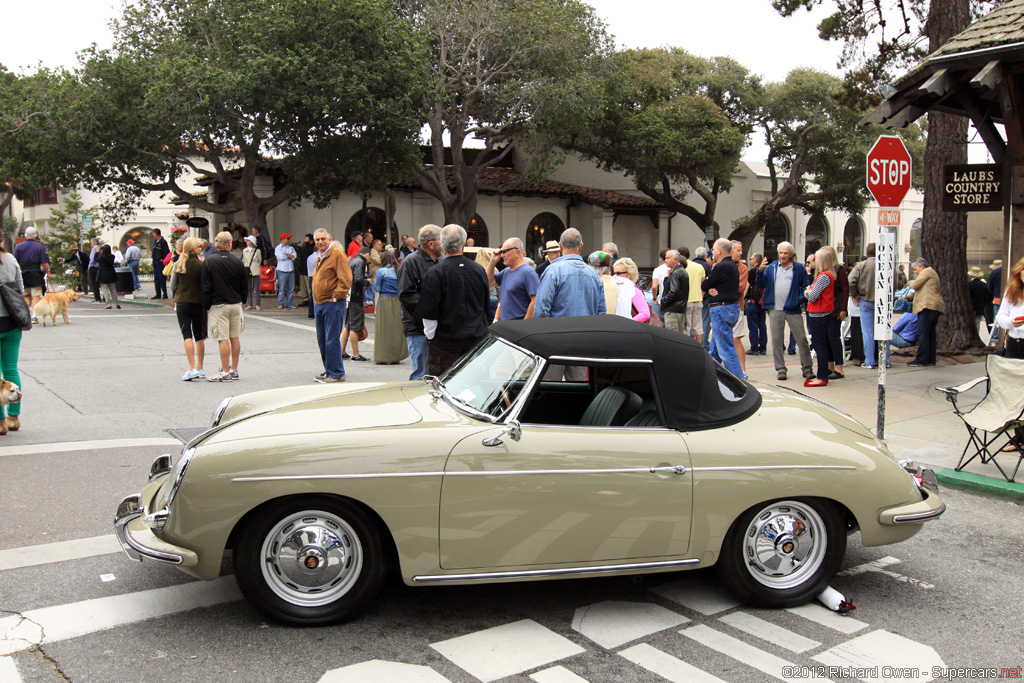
x,y
889,166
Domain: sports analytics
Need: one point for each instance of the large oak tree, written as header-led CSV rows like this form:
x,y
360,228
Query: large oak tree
x,y
318,94
502,75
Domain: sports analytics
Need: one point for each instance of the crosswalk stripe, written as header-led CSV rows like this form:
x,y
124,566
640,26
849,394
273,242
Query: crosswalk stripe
x,y
61,551
769,632
764,662
63,622
9,671
98,445
826,617
699,594
667,666
557,674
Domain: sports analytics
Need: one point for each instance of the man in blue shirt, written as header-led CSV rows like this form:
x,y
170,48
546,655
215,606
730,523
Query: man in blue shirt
x,y
518,281
783,283
132,256
904,332
285,254
569,287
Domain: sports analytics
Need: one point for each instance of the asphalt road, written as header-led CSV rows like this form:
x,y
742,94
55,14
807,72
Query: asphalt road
x,y
951,597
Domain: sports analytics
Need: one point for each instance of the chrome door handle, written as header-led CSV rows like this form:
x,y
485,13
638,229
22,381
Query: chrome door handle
x,y
671,469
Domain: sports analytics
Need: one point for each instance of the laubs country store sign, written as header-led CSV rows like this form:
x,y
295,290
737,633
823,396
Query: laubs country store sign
x,y
972,187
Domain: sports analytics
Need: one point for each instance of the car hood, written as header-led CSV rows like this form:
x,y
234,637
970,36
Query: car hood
x,y
294,412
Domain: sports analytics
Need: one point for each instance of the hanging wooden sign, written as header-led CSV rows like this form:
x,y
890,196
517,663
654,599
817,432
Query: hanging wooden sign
x,y
972,187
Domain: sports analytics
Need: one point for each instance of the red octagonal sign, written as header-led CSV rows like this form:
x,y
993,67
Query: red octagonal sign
x,y
889,170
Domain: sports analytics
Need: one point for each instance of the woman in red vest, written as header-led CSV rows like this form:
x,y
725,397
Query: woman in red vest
x,y
820,305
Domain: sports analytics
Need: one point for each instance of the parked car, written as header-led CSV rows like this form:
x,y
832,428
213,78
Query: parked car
x,y
657,460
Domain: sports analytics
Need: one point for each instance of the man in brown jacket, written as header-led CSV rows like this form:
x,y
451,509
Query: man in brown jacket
x,y
332,278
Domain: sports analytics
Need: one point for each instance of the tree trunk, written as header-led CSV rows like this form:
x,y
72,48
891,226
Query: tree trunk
x,y
944,235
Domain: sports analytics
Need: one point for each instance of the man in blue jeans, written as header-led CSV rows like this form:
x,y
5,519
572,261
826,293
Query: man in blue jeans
x,y
723,288
332,279
410,284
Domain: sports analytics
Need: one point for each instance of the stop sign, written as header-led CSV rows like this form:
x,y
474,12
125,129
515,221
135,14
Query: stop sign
x,y
889,170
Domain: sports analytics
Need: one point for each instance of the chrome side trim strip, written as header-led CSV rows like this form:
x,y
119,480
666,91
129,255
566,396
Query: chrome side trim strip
x,y
604,361
772,467
632,470
483,576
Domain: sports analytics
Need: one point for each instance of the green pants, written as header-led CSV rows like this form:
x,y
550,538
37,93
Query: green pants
x,y
10,343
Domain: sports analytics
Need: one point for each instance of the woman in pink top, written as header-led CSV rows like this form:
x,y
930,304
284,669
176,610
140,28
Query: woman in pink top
x,y
625,269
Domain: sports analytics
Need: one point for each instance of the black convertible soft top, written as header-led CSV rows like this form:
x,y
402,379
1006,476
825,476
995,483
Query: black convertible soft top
x,y
687,378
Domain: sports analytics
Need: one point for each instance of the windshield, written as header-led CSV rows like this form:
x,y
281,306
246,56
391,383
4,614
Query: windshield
x,y
490,377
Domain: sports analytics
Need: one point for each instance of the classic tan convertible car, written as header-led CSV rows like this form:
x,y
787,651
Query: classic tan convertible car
x,y
505,470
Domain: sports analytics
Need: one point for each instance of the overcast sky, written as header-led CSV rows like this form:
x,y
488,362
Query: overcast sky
x,y
750,31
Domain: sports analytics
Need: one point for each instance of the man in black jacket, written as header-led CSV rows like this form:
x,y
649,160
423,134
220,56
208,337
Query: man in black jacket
x,y
160,251
675,292
410,283
723,288
224,289
454,303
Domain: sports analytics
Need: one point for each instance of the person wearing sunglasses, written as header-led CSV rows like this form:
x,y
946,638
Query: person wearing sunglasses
x,y
518,281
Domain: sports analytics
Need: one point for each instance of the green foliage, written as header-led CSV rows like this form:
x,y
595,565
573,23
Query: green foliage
x,y
20,120
816,148
65,231
320,94
508,73
668,119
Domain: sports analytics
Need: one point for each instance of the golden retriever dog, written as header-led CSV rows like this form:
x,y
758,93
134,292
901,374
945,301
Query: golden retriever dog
x,y
53,303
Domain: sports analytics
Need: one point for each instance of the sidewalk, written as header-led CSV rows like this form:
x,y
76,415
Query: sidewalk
x,y
919,421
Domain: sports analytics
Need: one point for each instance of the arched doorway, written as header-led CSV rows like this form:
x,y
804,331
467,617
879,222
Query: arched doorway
x,y
775,233
915,240
376,222
543,227
853,240
816,235
141,237
477,230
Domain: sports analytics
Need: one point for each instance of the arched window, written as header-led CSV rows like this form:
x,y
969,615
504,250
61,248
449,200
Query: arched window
x,y
776,232
817,234
543,227
915,240
477,230
853,240
376,222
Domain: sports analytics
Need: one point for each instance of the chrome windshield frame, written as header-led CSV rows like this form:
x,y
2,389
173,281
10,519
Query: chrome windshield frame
x,y
510,412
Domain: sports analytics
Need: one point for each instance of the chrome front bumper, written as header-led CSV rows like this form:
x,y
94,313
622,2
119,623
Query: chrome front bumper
x,y
139,542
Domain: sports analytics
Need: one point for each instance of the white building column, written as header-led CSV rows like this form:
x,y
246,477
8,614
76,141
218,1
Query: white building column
x,y
508,220
603,227
423,210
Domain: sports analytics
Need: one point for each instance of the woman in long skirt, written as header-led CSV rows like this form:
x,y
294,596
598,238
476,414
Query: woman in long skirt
x,y
389,345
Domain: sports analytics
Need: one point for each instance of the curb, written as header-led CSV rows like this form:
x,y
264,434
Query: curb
x,y
979,482
134,302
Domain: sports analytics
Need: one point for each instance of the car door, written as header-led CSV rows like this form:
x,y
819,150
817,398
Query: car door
x,y
565,495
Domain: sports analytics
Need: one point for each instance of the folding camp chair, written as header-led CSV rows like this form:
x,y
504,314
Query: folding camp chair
x,y
998,419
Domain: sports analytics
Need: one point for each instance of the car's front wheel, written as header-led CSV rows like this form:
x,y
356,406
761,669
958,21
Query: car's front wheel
x,y
309,561
783,553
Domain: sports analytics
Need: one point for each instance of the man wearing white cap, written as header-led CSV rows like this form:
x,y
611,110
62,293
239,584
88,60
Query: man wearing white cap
x,y
35,267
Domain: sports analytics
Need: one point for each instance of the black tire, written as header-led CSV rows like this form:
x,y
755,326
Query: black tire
x,y
310,561
783,553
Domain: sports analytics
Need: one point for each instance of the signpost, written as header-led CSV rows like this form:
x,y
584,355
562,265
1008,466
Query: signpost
x,y
888,181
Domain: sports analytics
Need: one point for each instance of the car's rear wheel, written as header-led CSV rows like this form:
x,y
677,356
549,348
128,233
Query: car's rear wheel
x,y
310,561
783,553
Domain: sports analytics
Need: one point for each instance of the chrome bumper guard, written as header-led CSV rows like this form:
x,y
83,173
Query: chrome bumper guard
x,y
129,510
928,509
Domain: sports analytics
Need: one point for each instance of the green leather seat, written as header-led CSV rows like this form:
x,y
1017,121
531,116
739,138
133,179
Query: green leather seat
x,y
611,408
648,417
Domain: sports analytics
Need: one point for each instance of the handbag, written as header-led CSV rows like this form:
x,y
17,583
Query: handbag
x,y
168,268
16,307
362,334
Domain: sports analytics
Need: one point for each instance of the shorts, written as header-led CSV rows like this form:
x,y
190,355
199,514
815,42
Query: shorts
x,y
191,320
33,291
226,321
694,310
355,316
739,330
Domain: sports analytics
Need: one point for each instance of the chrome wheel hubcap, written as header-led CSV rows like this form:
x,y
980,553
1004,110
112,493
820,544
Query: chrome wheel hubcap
x,y
785,544
311,558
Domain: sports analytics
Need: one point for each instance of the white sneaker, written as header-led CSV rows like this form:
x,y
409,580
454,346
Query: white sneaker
x,y
219,377
234,375
190,375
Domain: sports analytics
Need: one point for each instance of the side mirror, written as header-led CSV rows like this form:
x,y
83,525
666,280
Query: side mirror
x,y
513,430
